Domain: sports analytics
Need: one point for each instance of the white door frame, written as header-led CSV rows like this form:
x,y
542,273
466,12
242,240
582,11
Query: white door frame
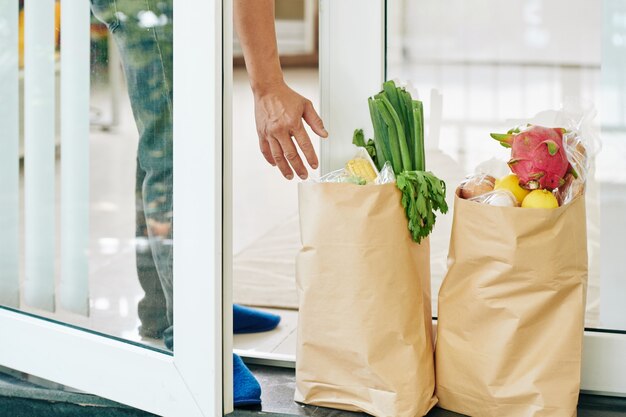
x,y
190,382
352,68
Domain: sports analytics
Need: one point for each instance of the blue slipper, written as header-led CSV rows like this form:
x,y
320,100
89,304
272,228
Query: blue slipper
x,y
245,386
248,320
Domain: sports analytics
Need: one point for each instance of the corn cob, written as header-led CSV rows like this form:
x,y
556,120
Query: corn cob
x,y
361,167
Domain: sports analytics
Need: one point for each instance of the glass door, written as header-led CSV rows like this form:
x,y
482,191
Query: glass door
x,y
94,277
479,66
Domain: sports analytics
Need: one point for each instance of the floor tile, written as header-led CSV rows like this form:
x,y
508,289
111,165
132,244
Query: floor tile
x,y
288,346
279,340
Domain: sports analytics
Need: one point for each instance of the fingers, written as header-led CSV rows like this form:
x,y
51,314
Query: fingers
x,y
291,155
314,120
279,158
266,151
304,142
279,117
285,156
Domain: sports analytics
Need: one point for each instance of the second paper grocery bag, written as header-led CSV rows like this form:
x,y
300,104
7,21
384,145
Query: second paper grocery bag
x,y
364,330
511,311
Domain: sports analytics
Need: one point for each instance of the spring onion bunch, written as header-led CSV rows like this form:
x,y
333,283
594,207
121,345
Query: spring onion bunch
x,y
398,123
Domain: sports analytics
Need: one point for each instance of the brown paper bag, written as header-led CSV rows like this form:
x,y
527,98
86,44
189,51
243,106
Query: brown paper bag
x,y
364,326
511,311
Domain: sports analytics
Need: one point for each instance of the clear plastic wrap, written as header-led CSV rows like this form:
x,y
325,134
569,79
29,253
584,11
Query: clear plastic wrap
x,y
500,198
360,170
476,185
580,143
494,166
572,188
386,175
575,181
361,165
342,176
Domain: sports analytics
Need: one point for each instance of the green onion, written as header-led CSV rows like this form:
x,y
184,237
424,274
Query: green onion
x,y
398,123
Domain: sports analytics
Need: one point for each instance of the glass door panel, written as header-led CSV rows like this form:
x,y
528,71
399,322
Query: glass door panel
x,y
87,177
86,200
495,63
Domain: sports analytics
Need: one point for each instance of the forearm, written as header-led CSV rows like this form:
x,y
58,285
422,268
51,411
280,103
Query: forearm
x,y
254,22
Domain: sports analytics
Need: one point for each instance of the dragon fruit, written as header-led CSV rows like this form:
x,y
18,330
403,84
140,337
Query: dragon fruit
x,y
537,156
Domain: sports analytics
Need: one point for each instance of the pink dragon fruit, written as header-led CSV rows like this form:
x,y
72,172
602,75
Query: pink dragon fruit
x,y
537,156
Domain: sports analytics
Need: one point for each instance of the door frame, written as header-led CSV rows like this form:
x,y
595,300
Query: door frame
x,y
196,380
352,66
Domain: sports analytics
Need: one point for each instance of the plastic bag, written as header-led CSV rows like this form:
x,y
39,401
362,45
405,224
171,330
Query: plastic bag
x,y
572,188
386,174
500,198
342,176
362,165
578,158
580,142
476,185
494,166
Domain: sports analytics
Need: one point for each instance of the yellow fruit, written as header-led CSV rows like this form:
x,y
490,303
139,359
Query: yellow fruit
x,y
511,183
540,199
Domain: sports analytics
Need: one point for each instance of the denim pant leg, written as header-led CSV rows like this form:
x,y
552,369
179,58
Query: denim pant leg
x,y
143,33
152,308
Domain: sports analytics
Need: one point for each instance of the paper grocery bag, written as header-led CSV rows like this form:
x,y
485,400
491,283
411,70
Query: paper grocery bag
x,y
511,311
364,324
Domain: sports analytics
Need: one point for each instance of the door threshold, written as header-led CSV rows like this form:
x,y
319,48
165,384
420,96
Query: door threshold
x,y
278,360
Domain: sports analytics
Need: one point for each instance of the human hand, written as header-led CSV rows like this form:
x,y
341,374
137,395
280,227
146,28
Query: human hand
x,y
279,112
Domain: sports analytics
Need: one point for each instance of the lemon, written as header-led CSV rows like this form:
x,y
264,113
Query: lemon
x,y
511,183
540,199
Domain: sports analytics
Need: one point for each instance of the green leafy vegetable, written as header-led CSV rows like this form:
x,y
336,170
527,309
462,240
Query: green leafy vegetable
x,y
358,139
398,123
422,194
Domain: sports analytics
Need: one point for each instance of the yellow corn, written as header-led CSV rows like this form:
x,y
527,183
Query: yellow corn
x,y
361,167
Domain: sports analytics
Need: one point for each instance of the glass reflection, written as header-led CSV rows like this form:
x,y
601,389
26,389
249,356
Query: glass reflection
x,y
144,39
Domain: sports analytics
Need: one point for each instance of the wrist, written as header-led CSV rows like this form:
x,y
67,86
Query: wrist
x,y
266,84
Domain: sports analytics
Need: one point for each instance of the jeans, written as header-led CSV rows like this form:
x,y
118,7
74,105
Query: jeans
x,y
142,30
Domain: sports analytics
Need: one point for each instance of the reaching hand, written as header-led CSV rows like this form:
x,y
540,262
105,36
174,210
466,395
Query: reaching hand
x,y
279,112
